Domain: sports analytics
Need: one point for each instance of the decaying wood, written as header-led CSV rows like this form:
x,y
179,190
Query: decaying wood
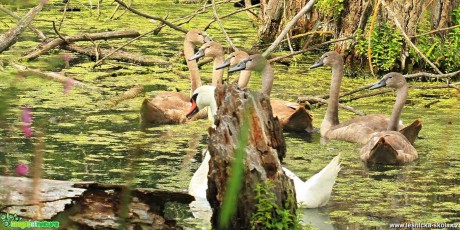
x,y
152,17
81,37
10,37
88,205
39,33
118,55
311,99
54,76
266,147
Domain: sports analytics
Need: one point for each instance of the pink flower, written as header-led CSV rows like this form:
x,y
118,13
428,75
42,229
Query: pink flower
x,y
22,169
26,115
26,118
68,85
27,130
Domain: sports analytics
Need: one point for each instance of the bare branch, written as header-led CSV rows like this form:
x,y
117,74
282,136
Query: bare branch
x,y
9,38
230,14
39,33
324,101
214,10
392,14
434,31
152,17
309,49
288,26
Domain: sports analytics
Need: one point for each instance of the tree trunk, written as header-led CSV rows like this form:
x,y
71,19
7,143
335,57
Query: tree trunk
x,y
266,148
271,14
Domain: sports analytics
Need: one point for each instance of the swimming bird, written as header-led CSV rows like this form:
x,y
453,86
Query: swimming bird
x,y
358,129
292,116
313,193
170,107
391,146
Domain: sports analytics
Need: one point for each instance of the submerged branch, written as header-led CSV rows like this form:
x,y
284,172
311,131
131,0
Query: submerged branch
x,y
54,76
434,31
82,37
117,55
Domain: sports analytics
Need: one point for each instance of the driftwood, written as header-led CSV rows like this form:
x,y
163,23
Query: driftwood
x,y
39,33
118,55
10,37
265,148
54,76
82,37
88,205
311,99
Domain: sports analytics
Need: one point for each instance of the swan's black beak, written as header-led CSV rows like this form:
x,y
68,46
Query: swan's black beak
x,y
240,66
317,64
225,64
193,110
380,84
207,38
197,55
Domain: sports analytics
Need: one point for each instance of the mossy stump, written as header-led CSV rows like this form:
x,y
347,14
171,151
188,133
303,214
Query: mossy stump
x,y
264,153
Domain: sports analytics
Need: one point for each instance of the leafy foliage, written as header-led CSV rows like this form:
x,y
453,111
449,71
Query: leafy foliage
x,y
442,51
269,215
386,43
330,7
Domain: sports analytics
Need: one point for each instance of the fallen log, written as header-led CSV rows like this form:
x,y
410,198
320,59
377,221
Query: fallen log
x,y
53,76
118,55
81,37
88,205
265,149
10,37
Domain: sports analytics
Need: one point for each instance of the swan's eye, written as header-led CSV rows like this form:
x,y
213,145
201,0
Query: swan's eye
x,y
199,34
390,77
325,56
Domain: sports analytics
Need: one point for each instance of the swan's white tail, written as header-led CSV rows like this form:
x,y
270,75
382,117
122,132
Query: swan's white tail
x,y
316,191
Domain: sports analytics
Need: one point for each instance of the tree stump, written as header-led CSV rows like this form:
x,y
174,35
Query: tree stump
x,y
266,149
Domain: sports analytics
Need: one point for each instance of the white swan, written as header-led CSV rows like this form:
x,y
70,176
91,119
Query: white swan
x,y
310,194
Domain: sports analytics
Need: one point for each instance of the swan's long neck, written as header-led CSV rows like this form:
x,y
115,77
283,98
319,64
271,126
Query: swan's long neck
x,y
401,96
267,79
192,65
332,113
217,74
243,80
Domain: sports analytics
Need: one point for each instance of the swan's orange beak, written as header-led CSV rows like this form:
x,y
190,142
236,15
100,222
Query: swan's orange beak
x,y
193,110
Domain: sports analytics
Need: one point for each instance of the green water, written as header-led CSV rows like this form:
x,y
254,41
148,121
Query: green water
x,y
86,141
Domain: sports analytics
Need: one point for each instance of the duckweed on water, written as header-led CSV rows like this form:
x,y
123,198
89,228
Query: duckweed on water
x,y
97,143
